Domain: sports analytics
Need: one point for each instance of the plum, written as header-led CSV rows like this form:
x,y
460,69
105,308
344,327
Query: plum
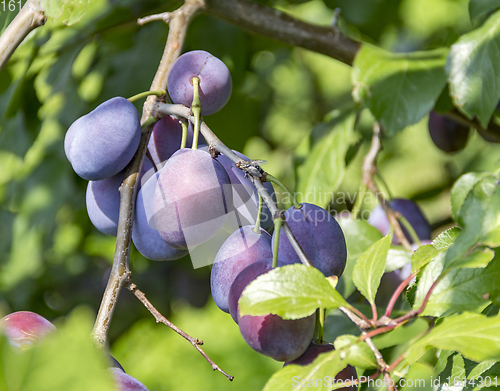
x,y
410,212
241,249
24,328
166,139
215,81
126,382
447,134
245,195
313,351
102,143
103,203
280,339
319,235
192,198
146,238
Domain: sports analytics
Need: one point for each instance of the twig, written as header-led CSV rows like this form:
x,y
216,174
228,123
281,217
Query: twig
x,y
25,22
214,142
263,20
369,169
393,323
165,16
161,319
180,20
398,292
360,324
120,269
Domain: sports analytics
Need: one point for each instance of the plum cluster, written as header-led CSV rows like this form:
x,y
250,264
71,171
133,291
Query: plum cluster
x,y
248,253
24,328
186,194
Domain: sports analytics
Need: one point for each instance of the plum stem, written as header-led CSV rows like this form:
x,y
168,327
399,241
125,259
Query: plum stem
x,y
184,125
278,222
135,98
359,201
256,229
321,321
410,229
273,179
161,319
196,109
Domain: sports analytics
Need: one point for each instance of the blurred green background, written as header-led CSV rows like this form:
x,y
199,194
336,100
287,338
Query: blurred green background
x,y
53,260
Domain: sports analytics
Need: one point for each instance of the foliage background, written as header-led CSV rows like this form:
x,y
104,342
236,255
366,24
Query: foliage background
x,y
51,258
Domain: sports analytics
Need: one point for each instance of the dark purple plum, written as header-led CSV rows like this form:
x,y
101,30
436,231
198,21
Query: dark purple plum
x,y
166,139
146,238
319,235
103,203
245,195
280,339
215,81
126,382
192,198
410,212
448,135
24,328
241,249
102,143
313,351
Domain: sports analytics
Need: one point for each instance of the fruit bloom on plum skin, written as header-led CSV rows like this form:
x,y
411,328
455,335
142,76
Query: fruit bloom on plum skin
x,y
102,143
270,335
215,81
319,235
241,249
192,199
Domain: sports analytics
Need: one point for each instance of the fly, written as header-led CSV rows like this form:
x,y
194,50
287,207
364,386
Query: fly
x,y
252,167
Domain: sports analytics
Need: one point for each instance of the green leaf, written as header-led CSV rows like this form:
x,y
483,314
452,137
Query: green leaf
x,y
461,188
359,236
475,336
370,267
323,170
446,238
422,256
479,216
480,368
398,88
478,258
401,335
358,352
317,374
397,258
473,74
457,372
419,378
480,8
291,292
459,290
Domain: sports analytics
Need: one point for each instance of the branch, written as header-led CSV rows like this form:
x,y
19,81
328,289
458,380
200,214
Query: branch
x,y
25,22
161,319
120,270
215,143
369,169
263,20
